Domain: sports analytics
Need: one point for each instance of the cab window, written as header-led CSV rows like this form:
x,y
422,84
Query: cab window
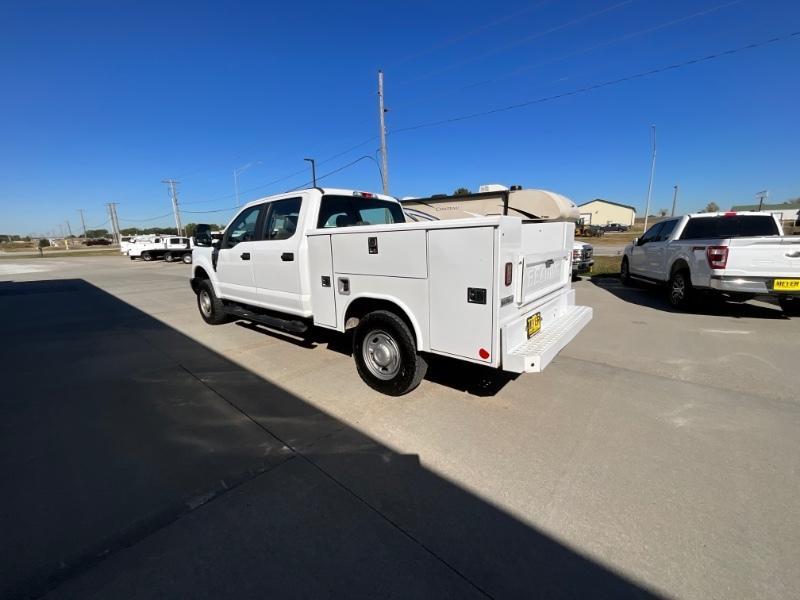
x,y
282,219
651,234
347,211
666,230
243,227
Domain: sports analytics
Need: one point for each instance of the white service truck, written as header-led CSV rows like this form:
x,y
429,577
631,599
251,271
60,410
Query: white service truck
x,y
738,255
170,248
492,291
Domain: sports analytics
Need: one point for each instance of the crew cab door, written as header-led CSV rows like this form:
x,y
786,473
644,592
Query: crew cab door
x,y
656,251
640,261
234,259
276,260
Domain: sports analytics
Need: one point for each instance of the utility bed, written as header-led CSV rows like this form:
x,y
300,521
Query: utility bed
x,y
472,285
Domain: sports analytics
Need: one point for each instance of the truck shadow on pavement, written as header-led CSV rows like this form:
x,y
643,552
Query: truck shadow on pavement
x,y
138,462
655,297
456,374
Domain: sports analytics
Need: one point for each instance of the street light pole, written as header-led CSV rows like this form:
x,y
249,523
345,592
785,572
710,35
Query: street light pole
x,y
762,195
674,200
652,176
313,171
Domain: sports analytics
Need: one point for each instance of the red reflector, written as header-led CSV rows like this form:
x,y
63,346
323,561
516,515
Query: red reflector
x,y
509,273
730,214
364,194
717,256
483,353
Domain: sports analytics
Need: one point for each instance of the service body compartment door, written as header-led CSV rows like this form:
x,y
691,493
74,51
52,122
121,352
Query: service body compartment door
x,y
320,267
461,291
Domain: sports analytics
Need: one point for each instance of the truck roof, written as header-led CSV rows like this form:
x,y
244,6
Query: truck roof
x,y
334,191
729,213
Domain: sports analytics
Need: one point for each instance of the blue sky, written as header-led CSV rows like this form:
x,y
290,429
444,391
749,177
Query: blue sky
x,y
102,100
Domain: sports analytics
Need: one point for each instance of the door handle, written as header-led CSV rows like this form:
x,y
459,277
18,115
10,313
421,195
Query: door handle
x,y
245,256
287,256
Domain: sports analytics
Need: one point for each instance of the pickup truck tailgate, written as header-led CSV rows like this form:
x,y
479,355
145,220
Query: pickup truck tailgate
x,y
766,256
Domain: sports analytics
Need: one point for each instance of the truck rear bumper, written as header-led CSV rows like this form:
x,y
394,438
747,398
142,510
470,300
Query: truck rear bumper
x,y
561,322
746,285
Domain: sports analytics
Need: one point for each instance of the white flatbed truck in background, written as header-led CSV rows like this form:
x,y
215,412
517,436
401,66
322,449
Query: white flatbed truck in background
x,y
492,291
170,248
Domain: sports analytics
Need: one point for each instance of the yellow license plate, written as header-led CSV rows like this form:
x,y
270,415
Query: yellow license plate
x,y
534,324
786,284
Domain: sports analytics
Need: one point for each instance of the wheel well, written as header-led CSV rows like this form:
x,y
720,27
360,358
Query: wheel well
x,y
678,265
200,273
361,306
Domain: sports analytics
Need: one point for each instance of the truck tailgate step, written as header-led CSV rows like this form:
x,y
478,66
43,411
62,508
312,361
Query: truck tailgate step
x,y
534,354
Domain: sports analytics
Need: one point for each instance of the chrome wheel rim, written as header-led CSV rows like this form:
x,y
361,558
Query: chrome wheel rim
x,y
381,354
205,303
678,289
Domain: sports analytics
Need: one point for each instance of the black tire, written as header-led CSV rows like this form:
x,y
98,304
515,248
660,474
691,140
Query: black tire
x,y
790,305
679,291
132,257
187,258
625,271
146,256
386,354
168,257
211,308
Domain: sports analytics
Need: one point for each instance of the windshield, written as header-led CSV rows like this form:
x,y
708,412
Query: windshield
x,y
347,211
730,227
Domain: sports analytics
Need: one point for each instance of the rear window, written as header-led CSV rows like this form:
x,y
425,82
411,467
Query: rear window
x,y
729,227
347,211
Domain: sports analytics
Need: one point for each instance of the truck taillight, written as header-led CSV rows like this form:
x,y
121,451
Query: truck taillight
x,y
509,273
717,256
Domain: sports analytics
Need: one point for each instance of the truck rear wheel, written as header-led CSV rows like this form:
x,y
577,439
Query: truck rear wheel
x,y
386,354
146,256
790,305
211,308
168,257
680,290
625,271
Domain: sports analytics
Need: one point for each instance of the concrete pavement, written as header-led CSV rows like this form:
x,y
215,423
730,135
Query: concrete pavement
x,y
657,455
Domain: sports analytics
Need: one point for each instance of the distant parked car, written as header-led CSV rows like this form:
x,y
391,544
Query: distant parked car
x,y
98,242
615,227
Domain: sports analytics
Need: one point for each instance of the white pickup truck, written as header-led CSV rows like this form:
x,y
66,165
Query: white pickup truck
x,y
492,291
170,248
738,255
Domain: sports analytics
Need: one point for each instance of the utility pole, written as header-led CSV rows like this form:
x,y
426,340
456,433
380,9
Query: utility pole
x,y
762,196
652,176
69,229
176,211
313,171
674,200
116,222
112,215
382,120
83,223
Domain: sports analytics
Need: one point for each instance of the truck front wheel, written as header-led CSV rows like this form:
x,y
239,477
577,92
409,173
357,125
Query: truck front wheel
x,y
187,258
211,308
386,354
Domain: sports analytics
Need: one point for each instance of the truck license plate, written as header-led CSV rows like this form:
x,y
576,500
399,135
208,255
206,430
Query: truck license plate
x,y
784,285
534,324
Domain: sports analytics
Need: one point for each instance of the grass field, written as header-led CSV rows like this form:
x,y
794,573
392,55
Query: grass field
x,y
61,254
606,265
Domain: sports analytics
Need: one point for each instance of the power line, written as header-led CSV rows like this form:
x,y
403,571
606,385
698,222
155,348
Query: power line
x,y
520,41
169,214
597,86
457,38
578,52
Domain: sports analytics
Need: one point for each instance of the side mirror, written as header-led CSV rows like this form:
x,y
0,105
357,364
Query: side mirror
x,y
202,236
635,241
